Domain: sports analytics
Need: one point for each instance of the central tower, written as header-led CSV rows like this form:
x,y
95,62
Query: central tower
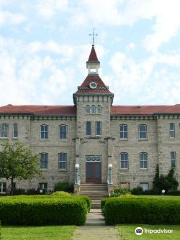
x,y
93,102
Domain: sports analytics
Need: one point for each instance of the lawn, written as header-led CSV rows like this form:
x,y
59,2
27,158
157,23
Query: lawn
x,y
127,232
40,233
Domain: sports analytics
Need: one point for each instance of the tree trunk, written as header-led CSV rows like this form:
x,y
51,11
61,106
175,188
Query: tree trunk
x,y
12,186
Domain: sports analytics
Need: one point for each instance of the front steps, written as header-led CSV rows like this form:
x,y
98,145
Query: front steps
x,y
96,192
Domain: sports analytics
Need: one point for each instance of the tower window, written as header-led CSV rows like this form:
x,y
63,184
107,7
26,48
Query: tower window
x,y
88,128
98,109
93,109
87,109
98,128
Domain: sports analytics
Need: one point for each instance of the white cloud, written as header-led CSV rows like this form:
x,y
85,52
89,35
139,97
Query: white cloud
x,y
48,8
11,18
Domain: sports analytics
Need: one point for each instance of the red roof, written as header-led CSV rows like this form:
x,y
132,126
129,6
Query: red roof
x,y
93,56
145,110
101,87
38,110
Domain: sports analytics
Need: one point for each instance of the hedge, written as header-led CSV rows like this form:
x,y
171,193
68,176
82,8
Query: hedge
x,y
141,210
43,210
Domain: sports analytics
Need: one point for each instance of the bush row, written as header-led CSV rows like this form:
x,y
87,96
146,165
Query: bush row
x,y
141,210
43,210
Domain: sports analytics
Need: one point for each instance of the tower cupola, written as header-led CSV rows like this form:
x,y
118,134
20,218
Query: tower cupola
x,y
93,63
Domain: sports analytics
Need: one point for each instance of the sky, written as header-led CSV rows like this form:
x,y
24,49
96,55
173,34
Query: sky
x,y
44,46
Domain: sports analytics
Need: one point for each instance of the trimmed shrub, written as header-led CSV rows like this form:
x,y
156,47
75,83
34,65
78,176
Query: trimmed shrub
x,y
142,210
119,192
64,186
43,210
61,194
87,200
137,191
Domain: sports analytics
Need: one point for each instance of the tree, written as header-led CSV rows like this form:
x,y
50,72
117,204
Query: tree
x,y
162,182
18,162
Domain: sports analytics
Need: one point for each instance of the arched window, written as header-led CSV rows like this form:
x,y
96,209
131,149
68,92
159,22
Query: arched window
x,y
98,109
44,131
93,109
63,131
87,109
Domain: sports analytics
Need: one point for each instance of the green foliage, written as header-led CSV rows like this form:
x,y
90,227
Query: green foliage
x,y
120,191
61,194
142,210
18,161
137,191
64,186
174,193
166,183
87,200
43,210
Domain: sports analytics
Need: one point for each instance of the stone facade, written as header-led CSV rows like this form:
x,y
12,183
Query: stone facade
x,y
105,147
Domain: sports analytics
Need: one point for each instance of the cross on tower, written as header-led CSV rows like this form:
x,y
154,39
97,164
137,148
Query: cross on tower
x,y
93,34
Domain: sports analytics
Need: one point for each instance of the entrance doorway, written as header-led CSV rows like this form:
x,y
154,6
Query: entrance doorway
x,y
93,169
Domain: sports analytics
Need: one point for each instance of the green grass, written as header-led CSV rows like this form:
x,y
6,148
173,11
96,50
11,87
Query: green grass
x,y
127,232
40,233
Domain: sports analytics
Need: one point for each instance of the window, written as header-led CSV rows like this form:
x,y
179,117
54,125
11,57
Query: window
x,y
87,109
143,160
88,128
124,160
98,128
93,109
63,131
44,161
145,186
173,159
98,109
44,131
171,130
43,187
123,131
2,187
62,161
4,130
142,131
15,130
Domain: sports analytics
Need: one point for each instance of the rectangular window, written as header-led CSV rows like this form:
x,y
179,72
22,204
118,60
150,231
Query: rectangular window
x,y
171,130
2,187
143,131
4,130
44,131
143,160
98,128
124,160
173,159
63,131
15,130
145,186
62,161
44,161
123,131
43,187
88,128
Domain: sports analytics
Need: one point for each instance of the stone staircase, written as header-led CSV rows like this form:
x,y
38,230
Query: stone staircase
x,y
95,192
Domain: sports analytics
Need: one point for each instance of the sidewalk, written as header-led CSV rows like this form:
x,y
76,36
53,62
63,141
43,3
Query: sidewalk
x,y
95,228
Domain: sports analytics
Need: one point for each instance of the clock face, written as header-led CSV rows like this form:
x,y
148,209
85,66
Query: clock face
x,y
93,85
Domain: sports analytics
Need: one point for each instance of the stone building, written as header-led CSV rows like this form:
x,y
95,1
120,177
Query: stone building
x,y
117,145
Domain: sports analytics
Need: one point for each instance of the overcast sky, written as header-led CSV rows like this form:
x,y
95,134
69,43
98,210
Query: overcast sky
x,y
44,45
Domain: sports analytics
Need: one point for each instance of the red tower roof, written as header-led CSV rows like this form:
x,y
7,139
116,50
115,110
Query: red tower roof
x,y
93,56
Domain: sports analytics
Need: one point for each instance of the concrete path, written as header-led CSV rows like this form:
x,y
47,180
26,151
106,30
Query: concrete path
x,y
95,228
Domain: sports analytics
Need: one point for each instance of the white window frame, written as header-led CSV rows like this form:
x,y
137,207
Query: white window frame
x,y
145,186
143,160
173,159
65,133
123,160
15,130
43,162
4,130
172,131
123,131
44,132
3,187
140,131
62,160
